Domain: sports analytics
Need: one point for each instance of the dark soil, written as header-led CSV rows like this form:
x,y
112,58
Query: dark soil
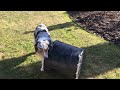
x,y
105,24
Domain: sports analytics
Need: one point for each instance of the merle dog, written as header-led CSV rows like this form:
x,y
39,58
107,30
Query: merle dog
x,y
43,42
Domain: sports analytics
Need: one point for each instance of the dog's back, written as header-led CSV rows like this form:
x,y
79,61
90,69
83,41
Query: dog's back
x,y
41,31
41,34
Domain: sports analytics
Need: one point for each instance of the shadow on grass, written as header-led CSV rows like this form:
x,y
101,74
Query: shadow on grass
x,y
16,61
100,59
61,26
54,27
8,65
10,69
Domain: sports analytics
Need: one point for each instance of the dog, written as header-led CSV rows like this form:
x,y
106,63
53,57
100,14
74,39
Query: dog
x,y
43,42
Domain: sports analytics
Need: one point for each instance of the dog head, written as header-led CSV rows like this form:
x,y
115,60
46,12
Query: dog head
x,y
43,47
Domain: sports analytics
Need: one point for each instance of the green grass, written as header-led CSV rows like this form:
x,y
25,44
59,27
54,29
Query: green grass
x,y
17,57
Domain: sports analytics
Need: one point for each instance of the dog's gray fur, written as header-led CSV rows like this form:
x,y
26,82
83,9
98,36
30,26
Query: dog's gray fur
x,y
42,42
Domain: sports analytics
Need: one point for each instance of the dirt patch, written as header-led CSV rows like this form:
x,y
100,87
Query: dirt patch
x,y
105,24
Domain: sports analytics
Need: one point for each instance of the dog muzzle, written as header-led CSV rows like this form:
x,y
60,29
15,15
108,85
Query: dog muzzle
x,y
45,53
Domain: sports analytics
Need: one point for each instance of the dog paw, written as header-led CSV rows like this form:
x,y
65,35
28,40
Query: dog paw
x,y
42,69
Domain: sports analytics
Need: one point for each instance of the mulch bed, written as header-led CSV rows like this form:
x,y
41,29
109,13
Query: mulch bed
x,y
105,24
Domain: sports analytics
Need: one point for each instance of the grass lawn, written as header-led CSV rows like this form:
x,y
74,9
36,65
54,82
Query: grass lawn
x,y
17,57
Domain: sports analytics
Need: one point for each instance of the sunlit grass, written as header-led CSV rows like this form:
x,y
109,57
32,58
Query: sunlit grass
x,y
16,41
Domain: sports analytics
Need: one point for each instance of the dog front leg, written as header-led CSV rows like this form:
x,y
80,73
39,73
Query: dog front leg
x,y
42,67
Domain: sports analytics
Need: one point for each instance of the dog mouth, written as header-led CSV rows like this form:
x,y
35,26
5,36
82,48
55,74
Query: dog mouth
x,y
45,53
